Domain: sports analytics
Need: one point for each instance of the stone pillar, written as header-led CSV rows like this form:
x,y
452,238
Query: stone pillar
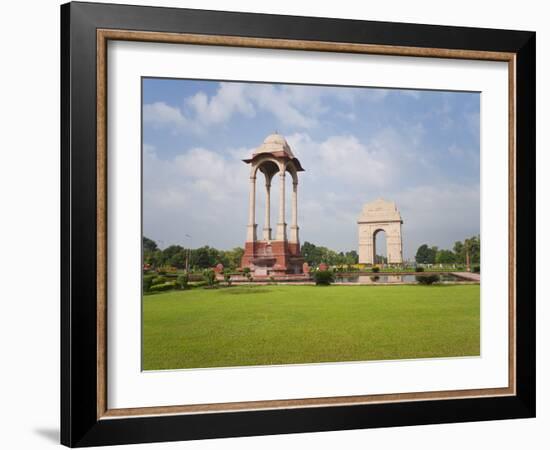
x,y
294,224
251,228
267,221
366,244
281,225
394,244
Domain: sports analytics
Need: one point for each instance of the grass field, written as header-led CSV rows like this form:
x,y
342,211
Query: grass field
x,y
257,325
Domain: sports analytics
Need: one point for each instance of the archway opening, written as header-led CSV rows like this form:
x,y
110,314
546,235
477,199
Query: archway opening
x,y
380,247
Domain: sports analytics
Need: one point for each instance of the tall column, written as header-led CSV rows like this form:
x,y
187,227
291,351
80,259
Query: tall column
x,y
251,228
281,225
267,220
294,224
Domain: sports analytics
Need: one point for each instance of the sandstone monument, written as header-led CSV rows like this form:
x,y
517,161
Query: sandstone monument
x,y
279,254
375,217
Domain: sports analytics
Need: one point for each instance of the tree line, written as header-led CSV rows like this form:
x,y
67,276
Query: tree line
x,y
206,257
316,254
435,255
199,258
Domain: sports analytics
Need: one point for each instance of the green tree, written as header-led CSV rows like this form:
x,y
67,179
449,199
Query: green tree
x,y
473,246
352,257
175,256
149,245
316,254
152,255
232,257
425,254
310,253
459,251
204,257
445,257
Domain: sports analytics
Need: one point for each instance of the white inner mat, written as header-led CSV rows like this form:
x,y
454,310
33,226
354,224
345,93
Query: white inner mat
x,y
128,386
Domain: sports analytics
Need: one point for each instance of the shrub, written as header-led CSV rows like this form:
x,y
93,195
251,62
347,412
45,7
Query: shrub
x,y
323,277
420,269
183,281
227,279
147,282
427,279
247,273
168,286
375,269
209,277
476,269
159,280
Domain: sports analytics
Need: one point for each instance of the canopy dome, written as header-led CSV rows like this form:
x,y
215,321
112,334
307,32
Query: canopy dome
x,y
274,143
274,148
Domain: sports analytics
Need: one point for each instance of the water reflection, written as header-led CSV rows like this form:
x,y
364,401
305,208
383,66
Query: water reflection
x,y
389,279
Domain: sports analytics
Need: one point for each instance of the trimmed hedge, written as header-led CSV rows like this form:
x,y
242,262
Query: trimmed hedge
x,y
168,286
147,282
159,280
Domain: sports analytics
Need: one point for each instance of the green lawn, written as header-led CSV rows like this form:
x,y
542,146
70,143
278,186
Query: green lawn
x,y
256,325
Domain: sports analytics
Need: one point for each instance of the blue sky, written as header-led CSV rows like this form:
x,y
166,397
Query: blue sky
x,y
417,148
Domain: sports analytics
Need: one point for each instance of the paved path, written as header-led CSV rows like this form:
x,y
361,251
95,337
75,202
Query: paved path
x,y
467,276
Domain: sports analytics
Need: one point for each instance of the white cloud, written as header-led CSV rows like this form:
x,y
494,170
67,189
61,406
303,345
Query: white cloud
x,y
228,100
301,107
364,165
199,192
159,113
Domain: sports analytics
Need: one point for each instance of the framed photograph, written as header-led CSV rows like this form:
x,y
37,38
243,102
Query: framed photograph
x,y
277,224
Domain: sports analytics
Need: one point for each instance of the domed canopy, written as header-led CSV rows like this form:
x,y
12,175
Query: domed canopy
x,y
275,145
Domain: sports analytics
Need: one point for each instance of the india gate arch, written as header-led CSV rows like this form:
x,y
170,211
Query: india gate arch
x,y
377,216
273,251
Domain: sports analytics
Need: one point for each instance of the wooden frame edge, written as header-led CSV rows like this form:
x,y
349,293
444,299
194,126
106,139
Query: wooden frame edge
x,y
512,199
101,223
211,408
290,44
103,36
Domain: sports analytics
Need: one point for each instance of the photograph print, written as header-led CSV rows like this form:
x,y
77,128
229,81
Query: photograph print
x,y
306,224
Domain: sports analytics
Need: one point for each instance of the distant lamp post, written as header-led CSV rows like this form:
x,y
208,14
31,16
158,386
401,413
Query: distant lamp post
x,y
467,248
188,253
